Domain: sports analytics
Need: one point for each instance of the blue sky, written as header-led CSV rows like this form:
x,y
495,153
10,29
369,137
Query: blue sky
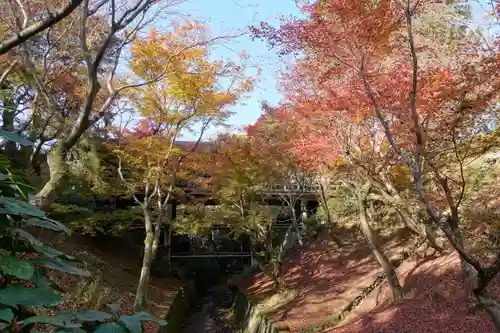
x,y
228,17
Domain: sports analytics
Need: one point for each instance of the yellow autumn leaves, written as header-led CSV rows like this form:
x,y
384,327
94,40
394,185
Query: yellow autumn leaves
x,y
179,88
186,83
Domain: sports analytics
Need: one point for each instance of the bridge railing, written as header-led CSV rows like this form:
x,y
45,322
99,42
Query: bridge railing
x,y
211,255
313,187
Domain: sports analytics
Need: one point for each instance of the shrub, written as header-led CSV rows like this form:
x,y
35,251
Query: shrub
x,y
89,294
109,223
87,222
341,202
27,296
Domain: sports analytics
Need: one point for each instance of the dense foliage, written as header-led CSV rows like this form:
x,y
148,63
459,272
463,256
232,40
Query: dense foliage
x,y
386,110
26,292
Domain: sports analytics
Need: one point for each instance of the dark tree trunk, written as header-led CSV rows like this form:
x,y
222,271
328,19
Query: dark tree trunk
x,y
324,203
390,272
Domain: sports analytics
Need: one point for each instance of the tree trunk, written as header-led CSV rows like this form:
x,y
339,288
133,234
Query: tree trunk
x,y
277,275
476,274
297,236
279,259
34,158
491,306
151,243
142,287
168,244
8,126
59,170
324,203
422,229
390,272
171,214
431,237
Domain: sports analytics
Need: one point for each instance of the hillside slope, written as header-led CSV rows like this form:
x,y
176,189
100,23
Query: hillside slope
x,y
323,281
435,301
114,274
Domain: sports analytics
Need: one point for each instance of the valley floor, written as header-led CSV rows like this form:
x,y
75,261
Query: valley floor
x,y
214,314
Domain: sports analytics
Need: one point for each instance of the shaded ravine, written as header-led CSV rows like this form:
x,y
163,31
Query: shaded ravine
x,y
213,314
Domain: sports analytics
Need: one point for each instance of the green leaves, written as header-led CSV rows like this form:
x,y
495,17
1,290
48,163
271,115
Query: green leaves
x,y
61,320
110,328
14,137
47,223
6,314
18,207
92,315
4,161
16,294
133,322
19,268
64,266
39,246
15,215
18,183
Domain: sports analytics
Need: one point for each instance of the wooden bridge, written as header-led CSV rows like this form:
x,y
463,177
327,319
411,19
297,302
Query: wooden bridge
x,y
212,255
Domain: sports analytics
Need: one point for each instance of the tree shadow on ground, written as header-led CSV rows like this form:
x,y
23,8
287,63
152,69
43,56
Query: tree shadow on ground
x,y
435,301
325,278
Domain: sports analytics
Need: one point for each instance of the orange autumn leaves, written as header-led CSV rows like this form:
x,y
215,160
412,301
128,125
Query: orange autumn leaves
x,y
350,50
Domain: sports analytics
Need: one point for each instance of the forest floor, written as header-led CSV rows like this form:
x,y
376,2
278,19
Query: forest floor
x,y
322,280
114,275
435,300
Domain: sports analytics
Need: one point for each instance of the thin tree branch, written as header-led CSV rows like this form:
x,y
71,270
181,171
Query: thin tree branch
x,y
7,71
35,28
24,13
131,189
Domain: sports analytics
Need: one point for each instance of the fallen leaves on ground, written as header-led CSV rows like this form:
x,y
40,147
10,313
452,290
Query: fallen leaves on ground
x,y
435,301
324,279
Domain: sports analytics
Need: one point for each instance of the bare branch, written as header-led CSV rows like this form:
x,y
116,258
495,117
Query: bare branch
x,y
7,71
131,189
84,14
35,28
378,111
25,14
97,7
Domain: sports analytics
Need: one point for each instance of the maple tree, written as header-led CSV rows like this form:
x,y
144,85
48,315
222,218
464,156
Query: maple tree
x,y
372,63
286,177
45,84
241,174
357,180
190,96
81,83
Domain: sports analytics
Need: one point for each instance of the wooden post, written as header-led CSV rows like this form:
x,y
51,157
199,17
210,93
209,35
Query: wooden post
x,y
172,213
